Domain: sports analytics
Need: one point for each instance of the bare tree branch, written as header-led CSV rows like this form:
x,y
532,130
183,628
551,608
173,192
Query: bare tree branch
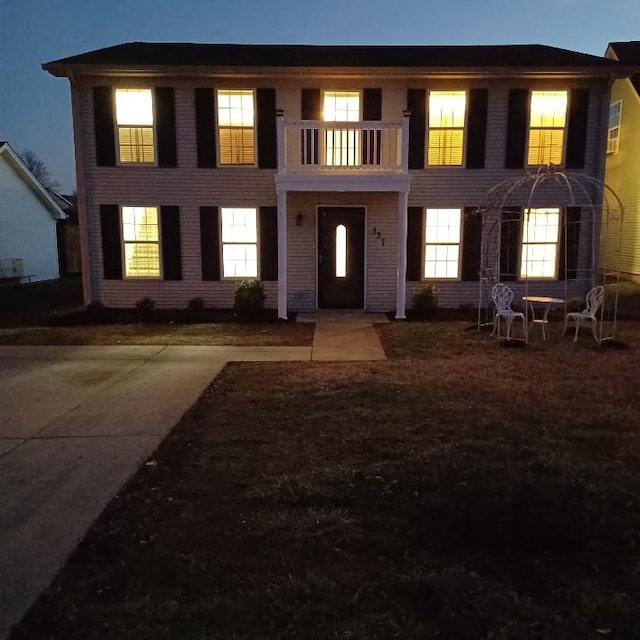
x,y
39,169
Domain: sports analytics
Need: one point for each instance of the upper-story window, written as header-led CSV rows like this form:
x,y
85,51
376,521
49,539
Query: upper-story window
x,y
446,128
547,121
613,131
236,126
540,237
342,144
134,121
141,238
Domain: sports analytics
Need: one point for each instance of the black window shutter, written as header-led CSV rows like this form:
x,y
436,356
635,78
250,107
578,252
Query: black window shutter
x,y
166,127
171,249
268,243
477,128
569,244
415,241
267,136
104,122
111,241
416,103
577,129
510,237
517,128
372,104
205,128
310,108
471,243
210,243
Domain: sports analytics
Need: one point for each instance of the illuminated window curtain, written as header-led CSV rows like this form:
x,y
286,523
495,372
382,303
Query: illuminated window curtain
x,y
547,121
446,127
342,144
141,242
540,235
239,243
442,243
134,119
236,126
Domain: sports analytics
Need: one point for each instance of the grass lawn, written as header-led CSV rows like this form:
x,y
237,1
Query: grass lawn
x,y
461,490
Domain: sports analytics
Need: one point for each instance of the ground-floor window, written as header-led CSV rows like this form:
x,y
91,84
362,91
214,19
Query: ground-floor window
x,y
141,238
540,236
239,242
442,243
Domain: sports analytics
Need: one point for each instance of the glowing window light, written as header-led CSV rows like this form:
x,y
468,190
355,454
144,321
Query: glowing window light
x,y
547,121
446,127
540,234
341,251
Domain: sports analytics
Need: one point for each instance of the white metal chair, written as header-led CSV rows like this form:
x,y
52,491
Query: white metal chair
x,y
502,297
593,301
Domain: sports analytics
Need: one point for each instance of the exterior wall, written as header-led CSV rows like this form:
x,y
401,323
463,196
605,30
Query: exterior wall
x,y
621,240
190,187
27,228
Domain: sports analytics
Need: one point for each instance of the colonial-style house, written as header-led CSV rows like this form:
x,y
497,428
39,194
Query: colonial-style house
x,y
28,216
621,246
340,176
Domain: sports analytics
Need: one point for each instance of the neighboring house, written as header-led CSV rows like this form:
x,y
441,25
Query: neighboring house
x,y
621,245
68,234
28,216
341,176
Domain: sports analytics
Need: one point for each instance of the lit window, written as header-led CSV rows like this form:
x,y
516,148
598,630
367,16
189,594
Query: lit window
x,y
342,144
341,251
540,243
547,122
141,242
613,134
134,119
446,127
442,243
236,126
239,243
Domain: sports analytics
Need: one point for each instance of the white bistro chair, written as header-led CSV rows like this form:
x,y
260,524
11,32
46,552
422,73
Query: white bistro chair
x,y
502,297
593,300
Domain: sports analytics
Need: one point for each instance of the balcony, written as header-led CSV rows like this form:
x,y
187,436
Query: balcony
x,y
318,155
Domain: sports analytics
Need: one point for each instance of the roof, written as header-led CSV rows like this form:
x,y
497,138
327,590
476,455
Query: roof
x,y
30,180
153,54
628,53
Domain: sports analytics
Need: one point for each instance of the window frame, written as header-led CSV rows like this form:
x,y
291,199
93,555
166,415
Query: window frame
x,y
614,149
525,213
222,243
124,242
153,126
464,129
565,128
235,165
458,276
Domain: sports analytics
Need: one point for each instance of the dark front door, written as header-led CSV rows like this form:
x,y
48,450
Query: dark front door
x,y
341,258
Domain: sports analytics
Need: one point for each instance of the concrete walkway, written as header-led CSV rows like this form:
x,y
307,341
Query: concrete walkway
x,y
77,422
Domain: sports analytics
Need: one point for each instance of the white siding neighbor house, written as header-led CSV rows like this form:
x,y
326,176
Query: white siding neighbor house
x,y
28,216
340,176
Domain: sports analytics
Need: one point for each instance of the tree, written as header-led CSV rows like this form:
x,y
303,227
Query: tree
x,y
39,169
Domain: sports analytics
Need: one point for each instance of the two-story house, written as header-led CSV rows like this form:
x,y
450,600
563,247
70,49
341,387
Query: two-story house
x,y
340,176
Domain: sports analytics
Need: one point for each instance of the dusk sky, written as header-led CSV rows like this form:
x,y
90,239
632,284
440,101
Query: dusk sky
x,y
35,109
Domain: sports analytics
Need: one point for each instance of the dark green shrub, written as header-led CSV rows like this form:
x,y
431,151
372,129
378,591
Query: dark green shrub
x,y
145,307
425,303
248,299
195,305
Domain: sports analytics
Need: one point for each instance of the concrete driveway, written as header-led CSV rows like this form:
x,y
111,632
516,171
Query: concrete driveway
x,y
75,425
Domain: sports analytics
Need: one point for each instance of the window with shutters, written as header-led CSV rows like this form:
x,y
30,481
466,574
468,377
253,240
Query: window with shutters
x,y
442,230
342,144
239,242
547,122
141,239
134,121
445,142
613,131
540,236
236,126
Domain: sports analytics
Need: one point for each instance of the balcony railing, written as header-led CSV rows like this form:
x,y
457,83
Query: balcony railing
x,y
317,147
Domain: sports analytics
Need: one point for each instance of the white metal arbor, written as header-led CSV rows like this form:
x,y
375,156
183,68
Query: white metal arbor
x,y
589,211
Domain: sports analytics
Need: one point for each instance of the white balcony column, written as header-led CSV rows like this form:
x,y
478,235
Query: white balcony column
x,y
401,273
280,131
406,115
282,255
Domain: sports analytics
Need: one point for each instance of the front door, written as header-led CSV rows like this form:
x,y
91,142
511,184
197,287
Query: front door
x,y
341,258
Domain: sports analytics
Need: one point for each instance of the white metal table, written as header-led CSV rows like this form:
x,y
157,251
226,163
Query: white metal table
x,y
547,303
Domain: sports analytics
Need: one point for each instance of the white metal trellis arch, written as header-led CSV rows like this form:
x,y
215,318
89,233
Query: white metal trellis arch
x,y
601,213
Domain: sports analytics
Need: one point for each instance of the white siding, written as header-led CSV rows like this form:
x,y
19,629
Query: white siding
x,y
27,228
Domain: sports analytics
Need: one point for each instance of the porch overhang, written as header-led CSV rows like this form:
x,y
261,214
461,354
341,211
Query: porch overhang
x,y
343,183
